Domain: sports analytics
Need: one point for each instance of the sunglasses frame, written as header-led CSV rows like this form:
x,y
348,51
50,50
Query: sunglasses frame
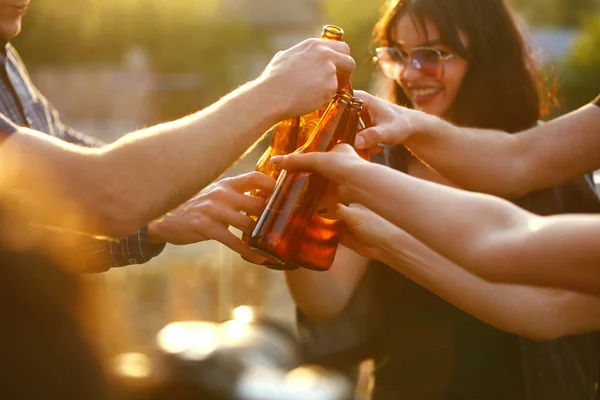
x,y
407,61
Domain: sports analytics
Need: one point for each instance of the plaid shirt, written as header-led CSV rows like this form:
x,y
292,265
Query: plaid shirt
x,y
23,104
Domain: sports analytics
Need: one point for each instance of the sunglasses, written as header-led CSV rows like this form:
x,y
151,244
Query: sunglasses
x,y
427,60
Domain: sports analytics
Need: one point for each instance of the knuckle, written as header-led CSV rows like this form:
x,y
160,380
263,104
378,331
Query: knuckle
x,y
201,221
210,207
254,176
248,225
220,192
313,43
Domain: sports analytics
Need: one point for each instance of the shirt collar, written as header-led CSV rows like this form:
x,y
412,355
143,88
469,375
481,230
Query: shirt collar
x,y
3,51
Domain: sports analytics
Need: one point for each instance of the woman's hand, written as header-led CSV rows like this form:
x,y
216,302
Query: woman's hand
x,y
336,165
391,124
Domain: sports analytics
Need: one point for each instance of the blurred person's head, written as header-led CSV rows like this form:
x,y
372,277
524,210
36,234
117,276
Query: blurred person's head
x,y
469,62
11,14
45,352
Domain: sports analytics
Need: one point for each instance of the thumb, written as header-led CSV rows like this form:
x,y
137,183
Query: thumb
x,y
369,137
350,216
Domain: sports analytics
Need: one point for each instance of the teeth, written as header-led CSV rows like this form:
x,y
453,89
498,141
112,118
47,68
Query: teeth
x,y
424,92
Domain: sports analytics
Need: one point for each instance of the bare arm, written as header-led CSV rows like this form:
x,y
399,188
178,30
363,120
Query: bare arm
x,y
161,167
486,235
322,295
491,161
532,312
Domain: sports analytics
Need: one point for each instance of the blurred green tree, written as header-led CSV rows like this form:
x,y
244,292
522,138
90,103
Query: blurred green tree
x,y
183,36
580,81
555,12
358,23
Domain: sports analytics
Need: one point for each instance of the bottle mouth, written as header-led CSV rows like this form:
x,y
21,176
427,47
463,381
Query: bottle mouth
x,y
332,32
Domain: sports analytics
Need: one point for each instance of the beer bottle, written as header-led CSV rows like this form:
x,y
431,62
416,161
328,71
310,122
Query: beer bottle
x,y
316,249
290,134
297,194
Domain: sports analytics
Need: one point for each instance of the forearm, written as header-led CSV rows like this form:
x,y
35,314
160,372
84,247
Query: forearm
x,y
316,294
511,165
535,313
431,212
322,295
126,184
477,159
484,234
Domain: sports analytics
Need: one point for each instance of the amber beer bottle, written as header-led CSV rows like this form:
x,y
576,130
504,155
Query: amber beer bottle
x,y
297,194
317,247
290,134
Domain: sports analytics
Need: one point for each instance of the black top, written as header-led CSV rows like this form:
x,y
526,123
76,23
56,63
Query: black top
x,y
428,349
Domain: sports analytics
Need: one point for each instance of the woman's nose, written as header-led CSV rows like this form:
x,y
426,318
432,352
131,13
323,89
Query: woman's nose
x,y
410,73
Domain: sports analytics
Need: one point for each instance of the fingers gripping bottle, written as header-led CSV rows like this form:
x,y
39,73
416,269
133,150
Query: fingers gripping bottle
x,y
290,134
297,194
317,247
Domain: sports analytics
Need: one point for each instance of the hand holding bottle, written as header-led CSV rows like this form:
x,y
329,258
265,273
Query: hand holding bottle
x,y
337,166
391,124
306,76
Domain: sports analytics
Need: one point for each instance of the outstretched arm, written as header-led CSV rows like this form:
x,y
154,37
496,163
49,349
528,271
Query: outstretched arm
x,y
161,167
533,312
491,161
486,235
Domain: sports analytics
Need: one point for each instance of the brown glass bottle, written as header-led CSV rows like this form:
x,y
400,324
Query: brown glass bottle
x,y
317,247
290,134
297,194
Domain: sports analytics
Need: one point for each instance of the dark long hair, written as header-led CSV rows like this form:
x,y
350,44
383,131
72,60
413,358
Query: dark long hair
x,y
502,88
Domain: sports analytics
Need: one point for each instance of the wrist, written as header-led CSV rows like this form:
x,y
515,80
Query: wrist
x,y
425,129
357,181
154,233
274,103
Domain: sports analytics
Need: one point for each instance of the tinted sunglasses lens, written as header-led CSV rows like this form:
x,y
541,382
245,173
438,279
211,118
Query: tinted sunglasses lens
x,y
428,62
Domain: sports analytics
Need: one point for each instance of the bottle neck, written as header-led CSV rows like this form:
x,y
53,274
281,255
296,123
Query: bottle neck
x,y
331,128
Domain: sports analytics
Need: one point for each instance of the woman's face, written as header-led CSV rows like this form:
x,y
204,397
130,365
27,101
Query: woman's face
x,y
433,95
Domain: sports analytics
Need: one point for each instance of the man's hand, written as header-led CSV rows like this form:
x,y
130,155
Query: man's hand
x,y
306,76
209,215
391,124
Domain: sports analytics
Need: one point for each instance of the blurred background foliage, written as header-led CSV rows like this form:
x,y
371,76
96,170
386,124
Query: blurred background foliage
x,y
192,36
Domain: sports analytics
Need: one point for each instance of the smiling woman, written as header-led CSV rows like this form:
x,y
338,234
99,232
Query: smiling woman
x,y
433,331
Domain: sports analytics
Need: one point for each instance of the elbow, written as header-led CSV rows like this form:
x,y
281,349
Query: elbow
x,y
321,312
496,257
539,331
540,335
